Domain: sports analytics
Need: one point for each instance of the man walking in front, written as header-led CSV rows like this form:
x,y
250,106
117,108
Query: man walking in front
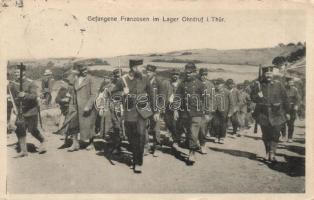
x,y
28,100
191,91
138,108
271,109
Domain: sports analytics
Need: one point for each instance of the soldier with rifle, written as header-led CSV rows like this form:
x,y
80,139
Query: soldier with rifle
x,y
67,101
26,98
271,109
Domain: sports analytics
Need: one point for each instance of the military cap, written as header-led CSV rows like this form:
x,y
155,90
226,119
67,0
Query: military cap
x,y
47,72
175,72
203,71
116,72
190,67
229,81
267,69
151,68
80,67
246,82
219,81
133,62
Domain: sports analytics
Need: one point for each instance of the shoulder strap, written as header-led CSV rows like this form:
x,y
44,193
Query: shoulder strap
x,y
124,81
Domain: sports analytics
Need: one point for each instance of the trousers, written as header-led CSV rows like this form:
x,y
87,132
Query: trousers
x,y
154,129
271,133
174,126
205,126
192,125
136,132
30,125
219,124
235,122
290,124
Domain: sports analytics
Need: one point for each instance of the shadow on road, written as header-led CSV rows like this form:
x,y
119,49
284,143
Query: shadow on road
x,y
296,149
253,137
106,149
299,140
294,166
179,155
31,148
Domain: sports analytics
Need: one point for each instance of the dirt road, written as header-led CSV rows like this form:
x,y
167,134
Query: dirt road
x,y
234,167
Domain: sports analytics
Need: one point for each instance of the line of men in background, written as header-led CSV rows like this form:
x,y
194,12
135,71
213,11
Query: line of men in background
x,y
124,108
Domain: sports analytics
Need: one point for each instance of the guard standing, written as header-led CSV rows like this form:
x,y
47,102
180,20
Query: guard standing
x,y
271,109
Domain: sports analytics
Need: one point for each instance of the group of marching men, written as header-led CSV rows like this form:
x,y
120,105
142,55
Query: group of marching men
x,y
131,106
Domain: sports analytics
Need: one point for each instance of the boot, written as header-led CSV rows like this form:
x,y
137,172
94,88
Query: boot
x,y
156,150
23,146
192,156
273,147
90,145
42,148
75,145
267,148
137,169
203,149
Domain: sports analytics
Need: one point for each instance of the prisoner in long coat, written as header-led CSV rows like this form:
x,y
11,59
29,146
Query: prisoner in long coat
x,y
85,95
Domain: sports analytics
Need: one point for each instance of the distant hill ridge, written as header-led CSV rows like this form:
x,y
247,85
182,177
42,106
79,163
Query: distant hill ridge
x,y
233,56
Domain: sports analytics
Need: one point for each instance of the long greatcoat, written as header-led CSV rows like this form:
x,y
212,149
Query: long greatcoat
x,y
85,95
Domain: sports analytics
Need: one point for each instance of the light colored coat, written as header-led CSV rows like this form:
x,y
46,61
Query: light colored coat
x,y
85,95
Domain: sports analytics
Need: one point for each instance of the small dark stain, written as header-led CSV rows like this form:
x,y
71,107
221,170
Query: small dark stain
x,y
66,24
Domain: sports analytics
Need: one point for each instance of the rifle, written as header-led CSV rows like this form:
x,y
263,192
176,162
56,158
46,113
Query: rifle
x,y
13,102
40,119
259,90
20,121
66,122
121,106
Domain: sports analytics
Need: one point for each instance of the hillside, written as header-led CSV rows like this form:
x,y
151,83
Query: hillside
x,y
222,63
213,56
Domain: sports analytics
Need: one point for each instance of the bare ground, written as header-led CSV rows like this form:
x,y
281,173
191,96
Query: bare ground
x,y
234,167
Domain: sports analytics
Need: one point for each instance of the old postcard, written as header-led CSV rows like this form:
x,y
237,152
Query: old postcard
x,y
156,100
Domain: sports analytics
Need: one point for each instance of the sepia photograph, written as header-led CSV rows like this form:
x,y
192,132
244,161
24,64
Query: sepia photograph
x,y
199,101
